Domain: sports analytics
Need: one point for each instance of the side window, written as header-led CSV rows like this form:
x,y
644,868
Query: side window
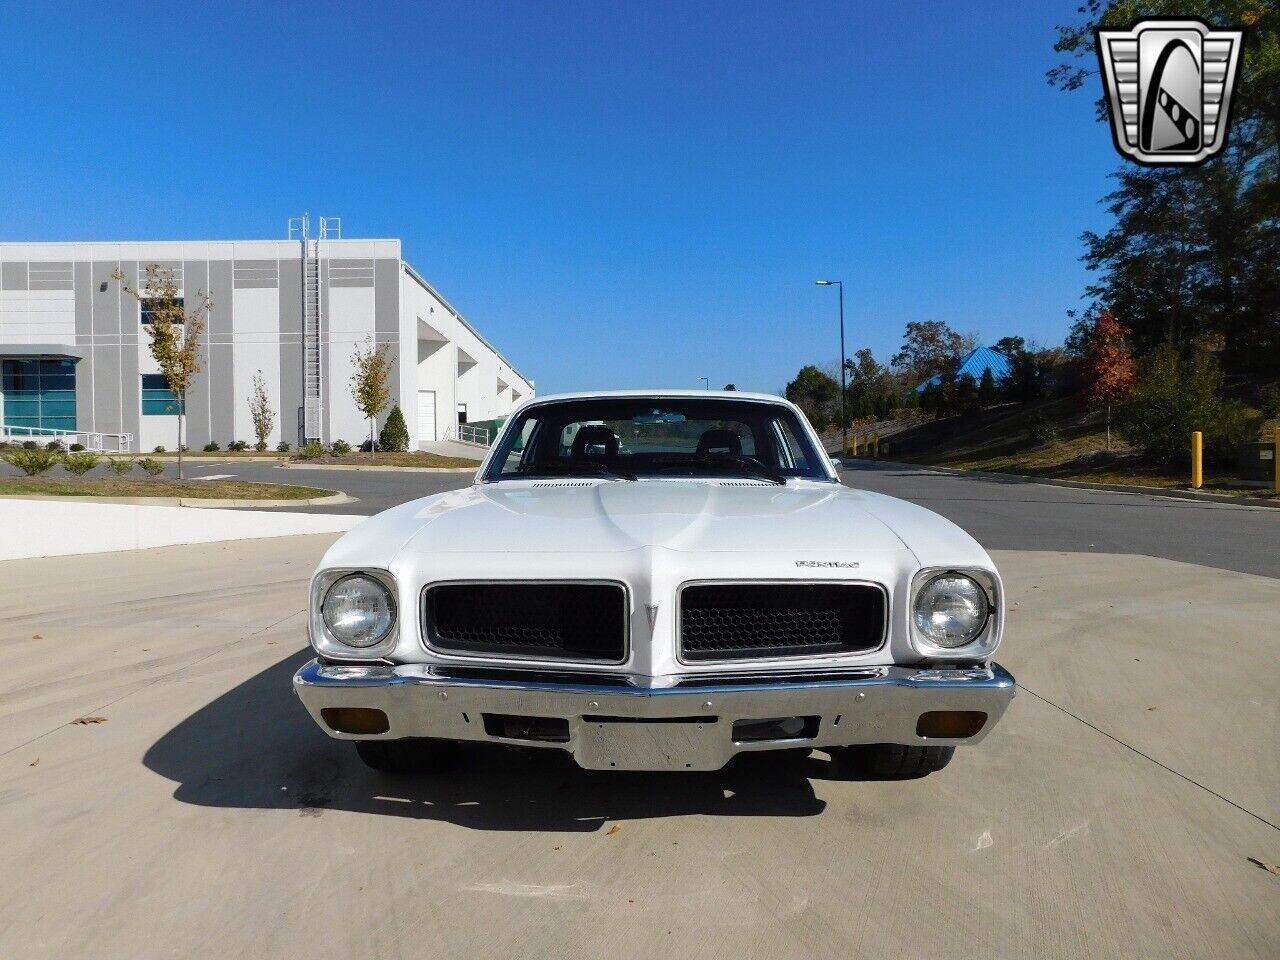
x,y
148,311
516,455
157,399
791,452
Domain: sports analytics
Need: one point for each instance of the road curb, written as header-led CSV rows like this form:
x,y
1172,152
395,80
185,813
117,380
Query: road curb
x,y
377,469
338,497
1171,492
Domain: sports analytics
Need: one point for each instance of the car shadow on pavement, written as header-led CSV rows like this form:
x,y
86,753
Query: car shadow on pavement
x,y
256,747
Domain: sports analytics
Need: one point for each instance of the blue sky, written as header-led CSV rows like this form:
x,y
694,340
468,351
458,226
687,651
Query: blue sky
x,y
618,194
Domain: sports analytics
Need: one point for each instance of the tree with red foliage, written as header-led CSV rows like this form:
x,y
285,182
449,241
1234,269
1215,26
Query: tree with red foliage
x,y
1108,365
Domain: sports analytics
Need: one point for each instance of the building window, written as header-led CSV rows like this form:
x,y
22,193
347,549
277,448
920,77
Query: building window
x,y
39,392
149,311
157,399
462,413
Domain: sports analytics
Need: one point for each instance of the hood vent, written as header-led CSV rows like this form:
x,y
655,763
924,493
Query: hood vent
x,y
745,483
565,483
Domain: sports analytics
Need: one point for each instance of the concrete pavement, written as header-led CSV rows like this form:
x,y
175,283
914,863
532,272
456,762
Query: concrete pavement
x,y
206,816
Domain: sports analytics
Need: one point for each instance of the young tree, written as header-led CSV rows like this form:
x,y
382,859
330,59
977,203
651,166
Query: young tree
x,y
1009,345
1108,366
1174,394
816,393
987,388
175,333
370,383
927,347
730,386
260,412
395,432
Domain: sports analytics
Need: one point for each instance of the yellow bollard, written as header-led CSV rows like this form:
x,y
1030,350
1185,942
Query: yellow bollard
x,y
1197,460
876,438
1276,462
855,445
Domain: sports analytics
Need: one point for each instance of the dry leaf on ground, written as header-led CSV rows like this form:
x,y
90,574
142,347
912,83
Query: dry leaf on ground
x,y
1269,867
85,721
612,830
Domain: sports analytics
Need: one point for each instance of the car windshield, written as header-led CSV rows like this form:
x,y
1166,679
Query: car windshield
x,y
622,438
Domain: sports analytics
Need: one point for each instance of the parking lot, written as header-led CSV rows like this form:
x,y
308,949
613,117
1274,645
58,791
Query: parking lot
x,y
198,812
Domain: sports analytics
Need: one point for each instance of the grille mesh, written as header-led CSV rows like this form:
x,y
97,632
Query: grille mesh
x,y
558,621
763,620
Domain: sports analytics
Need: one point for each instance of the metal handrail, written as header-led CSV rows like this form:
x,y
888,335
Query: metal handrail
x,y
93,440
465,433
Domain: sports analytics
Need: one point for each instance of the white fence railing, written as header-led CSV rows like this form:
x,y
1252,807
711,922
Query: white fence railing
x,y
91,440
465,433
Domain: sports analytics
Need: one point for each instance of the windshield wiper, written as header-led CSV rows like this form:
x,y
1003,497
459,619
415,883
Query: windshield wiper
x,y
575,468
748,465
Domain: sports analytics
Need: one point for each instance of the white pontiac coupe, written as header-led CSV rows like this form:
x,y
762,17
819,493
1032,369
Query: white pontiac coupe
x,y
658,581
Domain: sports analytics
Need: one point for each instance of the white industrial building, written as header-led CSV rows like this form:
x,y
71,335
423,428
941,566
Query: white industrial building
x,y
75,357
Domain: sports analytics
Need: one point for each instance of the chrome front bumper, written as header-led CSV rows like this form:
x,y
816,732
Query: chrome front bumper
x,y
626,727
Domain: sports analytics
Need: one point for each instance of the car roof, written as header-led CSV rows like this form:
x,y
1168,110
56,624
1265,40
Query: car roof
x,y
645,394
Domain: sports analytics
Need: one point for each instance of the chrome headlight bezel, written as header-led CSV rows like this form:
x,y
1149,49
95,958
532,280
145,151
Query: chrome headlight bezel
x,y
323,640
988,637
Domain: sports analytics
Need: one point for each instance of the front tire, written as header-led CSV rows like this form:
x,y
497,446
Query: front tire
x,y
892,761
406,757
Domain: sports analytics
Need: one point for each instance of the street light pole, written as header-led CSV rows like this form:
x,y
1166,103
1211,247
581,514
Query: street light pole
x,y
844,419
707,381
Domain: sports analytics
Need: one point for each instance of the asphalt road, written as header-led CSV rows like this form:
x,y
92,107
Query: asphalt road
x,y
1002,514
198,812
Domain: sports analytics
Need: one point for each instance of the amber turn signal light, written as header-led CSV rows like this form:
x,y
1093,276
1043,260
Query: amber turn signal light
x,y
950,724
355,720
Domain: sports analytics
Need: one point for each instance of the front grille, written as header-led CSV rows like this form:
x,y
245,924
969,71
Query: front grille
x,y
742,621
543,621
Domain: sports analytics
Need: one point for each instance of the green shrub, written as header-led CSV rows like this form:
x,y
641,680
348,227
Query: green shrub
x,y
1042,430
395,434
30,445
283,447
120,465
260,446
77,447
340,448
311,451
1269,400
80,463
55,445
158,450
211,447
153,467
31,462
1175,395
238,446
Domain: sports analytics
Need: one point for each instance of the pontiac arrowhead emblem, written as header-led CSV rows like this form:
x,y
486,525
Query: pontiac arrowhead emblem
x,y
1168,84
652,610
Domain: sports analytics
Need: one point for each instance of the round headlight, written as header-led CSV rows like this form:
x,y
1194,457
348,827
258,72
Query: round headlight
x,y
358,610
951,610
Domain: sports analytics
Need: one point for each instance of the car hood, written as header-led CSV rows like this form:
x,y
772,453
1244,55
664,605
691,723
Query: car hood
x,y
689,516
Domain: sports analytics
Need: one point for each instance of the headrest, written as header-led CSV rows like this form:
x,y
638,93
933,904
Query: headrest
x,y
720,441
595,436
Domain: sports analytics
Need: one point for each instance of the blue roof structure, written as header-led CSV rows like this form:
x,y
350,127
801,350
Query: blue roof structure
x,y
975,363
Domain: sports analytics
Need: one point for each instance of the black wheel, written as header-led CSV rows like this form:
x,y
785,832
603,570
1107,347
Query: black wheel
x,y
893,761
418,755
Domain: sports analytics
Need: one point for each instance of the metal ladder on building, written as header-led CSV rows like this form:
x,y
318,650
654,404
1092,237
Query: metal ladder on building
x,y
312,363
311,421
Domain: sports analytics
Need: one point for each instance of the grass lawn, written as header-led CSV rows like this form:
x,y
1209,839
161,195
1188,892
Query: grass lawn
x,y
411,459
123,487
